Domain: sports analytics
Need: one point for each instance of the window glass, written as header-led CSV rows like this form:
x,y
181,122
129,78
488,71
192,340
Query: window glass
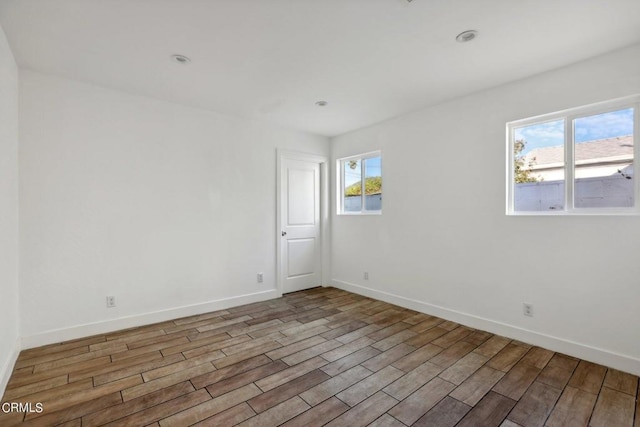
x,y
352,185
579,161
360,184
373,184
603,169
539,166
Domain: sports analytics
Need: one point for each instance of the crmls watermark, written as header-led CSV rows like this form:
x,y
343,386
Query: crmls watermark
x,y
8,407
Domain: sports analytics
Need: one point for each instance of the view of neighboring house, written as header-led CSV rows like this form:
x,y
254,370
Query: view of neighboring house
x,y
602,157
603,173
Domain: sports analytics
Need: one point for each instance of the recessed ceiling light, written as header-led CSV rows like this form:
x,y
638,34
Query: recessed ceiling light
x,y
466,36
321,103
180,59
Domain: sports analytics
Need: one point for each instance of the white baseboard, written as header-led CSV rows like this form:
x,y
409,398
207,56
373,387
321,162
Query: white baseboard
x,y
7,369
583,351
88,329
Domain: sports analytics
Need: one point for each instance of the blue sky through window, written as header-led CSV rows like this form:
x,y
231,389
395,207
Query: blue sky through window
x,y
351,175
589,128
373,168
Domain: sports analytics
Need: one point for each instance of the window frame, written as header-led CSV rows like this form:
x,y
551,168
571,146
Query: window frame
x,y
340,182
569,115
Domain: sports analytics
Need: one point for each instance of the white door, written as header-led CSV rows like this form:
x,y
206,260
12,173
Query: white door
x,y
300,245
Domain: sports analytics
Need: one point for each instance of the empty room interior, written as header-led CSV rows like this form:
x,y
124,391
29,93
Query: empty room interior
x,y
193,229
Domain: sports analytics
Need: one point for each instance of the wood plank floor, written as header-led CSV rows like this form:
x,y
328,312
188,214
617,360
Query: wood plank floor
x,y
318,357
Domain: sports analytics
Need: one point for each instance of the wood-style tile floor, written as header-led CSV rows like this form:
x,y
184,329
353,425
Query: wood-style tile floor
x,y
322,356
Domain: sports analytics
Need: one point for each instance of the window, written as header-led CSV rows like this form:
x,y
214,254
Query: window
x,y
360,184
578,161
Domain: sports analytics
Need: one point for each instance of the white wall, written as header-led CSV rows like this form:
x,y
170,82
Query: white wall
x,y
456,254
9,344
160,205
165,206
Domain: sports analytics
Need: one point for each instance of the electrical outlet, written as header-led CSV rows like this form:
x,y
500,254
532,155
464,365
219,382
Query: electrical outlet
x,y
527,309
366,275
260,277
111,301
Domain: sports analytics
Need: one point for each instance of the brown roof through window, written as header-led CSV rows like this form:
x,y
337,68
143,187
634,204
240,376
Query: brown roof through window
x,y
598,149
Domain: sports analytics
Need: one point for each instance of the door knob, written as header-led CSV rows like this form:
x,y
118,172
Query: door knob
x,y
284,233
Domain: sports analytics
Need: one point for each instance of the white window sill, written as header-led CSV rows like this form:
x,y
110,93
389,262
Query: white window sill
x,y
365,213
578,213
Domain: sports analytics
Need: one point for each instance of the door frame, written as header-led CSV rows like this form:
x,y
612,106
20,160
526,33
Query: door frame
x,y
323,162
